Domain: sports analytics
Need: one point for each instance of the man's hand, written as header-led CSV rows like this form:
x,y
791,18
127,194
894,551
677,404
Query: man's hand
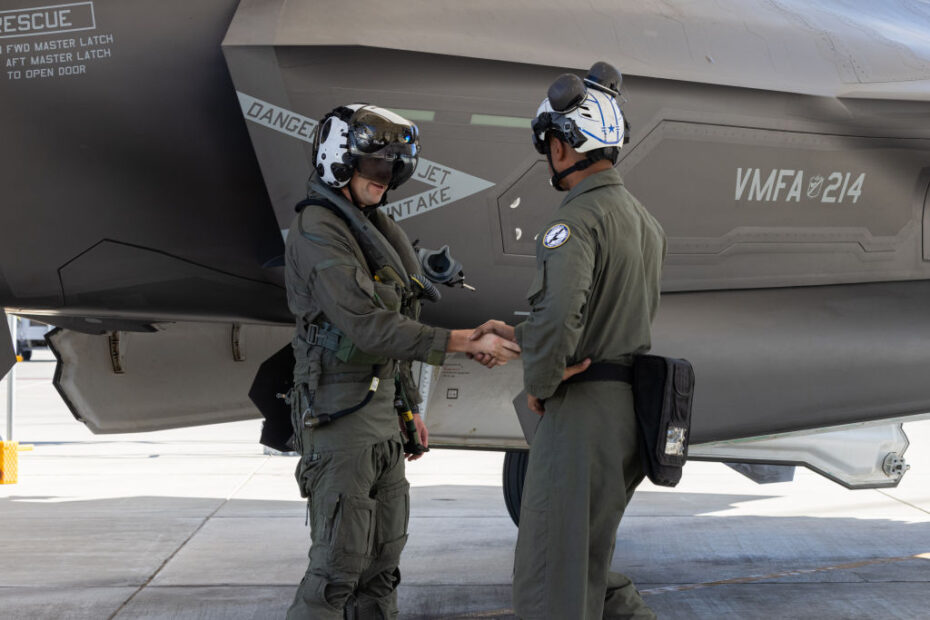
x,y
571,371
494,327
498,328
489,348
501,349
422,432
488,361
537,406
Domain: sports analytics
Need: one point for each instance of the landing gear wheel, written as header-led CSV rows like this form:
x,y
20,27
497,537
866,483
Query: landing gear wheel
x,y
515,463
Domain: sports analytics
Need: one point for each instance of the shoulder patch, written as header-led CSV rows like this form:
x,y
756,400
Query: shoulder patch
x,y
556,236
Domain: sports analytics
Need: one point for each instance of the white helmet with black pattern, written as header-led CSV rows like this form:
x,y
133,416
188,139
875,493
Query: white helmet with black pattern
x,y
379,144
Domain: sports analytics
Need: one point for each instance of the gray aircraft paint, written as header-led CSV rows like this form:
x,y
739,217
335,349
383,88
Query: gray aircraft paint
x,y
816,47
153,200
141,172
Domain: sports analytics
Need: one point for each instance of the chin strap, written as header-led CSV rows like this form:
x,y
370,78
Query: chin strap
x,y
556,179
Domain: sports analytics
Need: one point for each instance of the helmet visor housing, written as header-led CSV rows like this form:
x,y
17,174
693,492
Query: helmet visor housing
x,y
386,146
373,129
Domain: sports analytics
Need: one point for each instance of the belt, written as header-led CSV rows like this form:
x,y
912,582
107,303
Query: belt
x,y
604,371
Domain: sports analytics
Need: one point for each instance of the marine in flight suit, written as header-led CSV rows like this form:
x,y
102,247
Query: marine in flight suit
x,y
351,325
593,299
595,294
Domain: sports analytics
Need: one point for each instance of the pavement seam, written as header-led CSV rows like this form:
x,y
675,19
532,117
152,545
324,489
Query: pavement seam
x,y
902,501
187,540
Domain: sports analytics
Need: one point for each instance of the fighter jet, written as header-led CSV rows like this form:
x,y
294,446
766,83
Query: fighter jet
x,y
152,154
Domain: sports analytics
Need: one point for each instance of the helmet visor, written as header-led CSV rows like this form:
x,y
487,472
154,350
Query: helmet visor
x,y
390,166
372,131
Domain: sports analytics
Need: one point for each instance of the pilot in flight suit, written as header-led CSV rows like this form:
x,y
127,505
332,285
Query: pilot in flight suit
x,y
595,294
352,328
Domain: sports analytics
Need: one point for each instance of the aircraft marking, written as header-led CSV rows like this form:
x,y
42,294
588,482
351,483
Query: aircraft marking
x,y
27,60
785,185
45,20
277,118
447,185
814,186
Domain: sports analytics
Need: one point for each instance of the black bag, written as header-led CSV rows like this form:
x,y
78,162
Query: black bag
x,y
663,388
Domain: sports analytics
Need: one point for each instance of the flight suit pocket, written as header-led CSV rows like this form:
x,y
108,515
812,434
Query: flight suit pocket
x,y
393,512
364,282
352,542
387,296
306,474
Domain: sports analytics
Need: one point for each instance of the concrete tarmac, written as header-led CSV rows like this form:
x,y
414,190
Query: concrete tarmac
x,y
200,523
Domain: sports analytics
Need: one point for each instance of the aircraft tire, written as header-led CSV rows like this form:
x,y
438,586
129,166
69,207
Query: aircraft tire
x,y
515,462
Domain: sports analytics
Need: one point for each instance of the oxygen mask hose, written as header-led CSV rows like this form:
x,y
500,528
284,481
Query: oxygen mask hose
x,y
428,290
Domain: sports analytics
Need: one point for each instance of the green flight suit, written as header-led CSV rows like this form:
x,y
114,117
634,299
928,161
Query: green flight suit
x,y
352,470
595,295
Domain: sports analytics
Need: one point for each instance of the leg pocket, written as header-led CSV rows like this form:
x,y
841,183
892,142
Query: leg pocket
x,y
381,578
308,468
393,511
353,535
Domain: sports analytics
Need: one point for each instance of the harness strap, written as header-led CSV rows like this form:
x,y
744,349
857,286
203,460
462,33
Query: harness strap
x,y
326,336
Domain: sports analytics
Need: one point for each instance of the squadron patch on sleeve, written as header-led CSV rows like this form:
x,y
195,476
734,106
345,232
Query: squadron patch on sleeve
x,y
556,236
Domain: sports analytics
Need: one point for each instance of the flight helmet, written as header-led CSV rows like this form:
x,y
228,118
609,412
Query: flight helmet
x,y
380,144
585,114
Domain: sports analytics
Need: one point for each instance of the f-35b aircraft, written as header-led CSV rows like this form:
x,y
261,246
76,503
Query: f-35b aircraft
x,y
151,154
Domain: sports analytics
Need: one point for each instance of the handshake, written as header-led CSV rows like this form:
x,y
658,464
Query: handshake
x,y
491,344
494,344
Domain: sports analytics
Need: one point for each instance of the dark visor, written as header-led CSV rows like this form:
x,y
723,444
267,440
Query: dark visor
x,y
391,166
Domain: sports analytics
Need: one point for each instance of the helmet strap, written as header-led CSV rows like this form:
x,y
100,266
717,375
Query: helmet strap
x,y
556,179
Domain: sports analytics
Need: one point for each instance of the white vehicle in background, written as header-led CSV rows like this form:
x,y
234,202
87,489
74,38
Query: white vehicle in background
x,y
30,335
